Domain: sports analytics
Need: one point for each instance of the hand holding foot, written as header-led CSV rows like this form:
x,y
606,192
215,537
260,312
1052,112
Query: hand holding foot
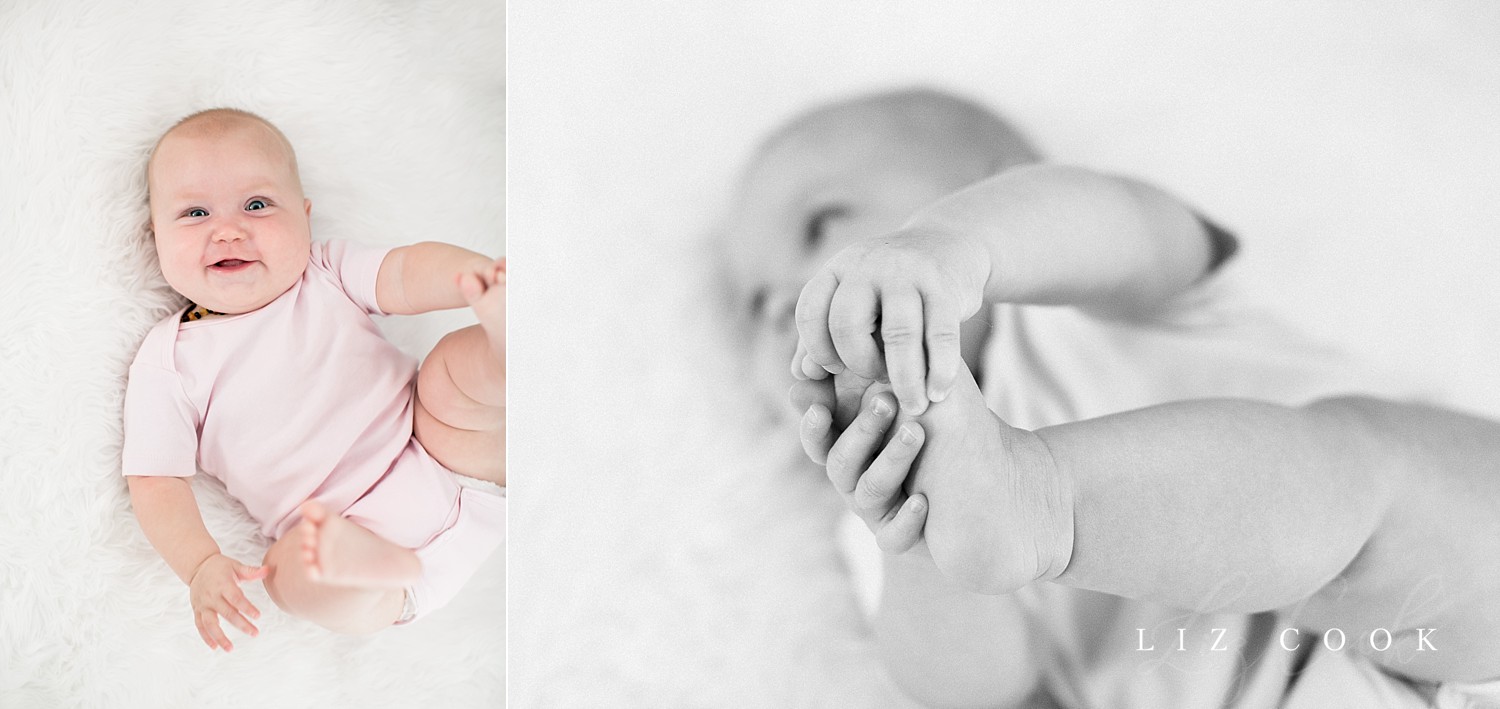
x,y
1001,510
868,477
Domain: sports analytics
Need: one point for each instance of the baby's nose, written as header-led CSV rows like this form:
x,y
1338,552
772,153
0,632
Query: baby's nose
x,y
229,231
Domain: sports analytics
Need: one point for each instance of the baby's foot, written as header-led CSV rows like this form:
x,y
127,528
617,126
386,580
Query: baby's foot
x,y
341,553
485,292
1000,515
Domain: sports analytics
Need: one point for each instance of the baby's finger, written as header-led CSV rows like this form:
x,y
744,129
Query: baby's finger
x,y
905,529
470,285
851,392
198,623
237,619
859,443
811,369
245,572
211,625
905,361
879,489
237,598
851,322
812,321
804,367
943,353
817,433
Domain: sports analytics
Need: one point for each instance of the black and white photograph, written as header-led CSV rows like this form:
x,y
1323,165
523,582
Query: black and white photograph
x,y
1011,354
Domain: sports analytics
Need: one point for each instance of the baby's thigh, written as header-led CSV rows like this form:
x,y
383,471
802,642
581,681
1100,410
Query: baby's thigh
x,y
459,414
477,454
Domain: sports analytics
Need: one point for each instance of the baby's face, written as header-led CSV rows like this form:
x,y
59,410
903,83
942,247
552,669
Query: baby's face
x,y
230,220
809,196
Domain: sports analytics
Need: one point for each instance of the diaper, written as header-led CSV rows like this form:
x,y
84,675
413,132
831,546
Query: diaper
x,y
452,522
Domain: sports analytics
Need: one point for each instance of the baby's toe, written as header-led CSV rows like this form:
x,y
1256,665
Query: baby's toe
x,y
313,511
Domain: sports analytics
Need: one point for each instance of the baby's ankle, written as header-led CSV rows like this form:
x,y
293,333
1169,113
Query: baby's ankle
x,y
1054,509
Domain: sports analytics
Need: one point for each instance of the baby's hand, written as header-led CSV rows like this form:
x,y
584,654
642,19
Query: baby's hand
x,y
215,591
868,477
889,309
479,277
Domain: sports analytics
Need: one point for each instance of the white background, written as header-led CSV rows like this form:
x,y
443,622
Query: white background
x,y
663,552
396,113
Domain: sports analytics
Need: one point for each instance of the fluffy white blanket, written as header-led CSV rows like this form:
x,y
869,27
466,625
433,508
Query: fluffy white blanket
x,y
397,114
666,553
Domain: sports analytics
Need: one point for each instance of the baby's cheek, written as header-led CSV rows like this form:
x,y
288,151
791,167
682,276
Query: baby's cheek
x,y
772,373
769,360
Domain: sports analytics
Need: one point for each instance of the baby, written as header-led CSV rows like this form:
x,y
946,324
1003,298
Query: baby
x,y
381,484
1234,509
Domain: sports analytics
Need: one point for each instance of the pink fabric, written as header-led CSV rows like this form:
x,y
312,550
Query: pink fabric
x,y
301,399
453,526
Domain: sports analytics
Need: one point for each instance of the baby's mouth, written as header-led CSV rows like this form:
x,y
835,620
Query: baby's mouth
x,y
230,264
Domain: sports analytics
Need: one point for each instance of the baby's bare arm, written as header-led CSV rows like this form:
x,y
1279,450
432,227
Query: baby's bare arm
x,y
1065,235
422,277
169,515
1042,234
1359,514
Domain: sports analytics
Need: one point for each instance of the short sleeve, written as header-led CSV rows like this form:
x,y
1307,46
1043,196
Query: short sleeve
x,y
161,425
354,267
1222,244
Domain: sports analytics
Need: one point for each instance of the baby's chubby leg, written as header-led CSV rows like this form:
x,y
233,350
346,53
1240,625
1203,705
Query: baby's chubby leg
x,y
460,412
1190,504
337,574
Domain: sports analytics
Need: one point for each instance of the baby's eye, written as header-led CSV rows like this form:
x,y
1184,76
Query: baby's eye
x,y
255,204
817,224
195,212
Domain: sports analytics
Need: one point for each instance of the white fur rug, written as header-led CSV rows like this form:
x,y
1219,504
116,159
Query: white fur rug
x,y
666,553
397,114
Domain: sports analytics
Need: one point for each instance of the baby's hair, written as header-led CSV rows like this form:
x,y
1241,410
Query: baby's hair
x,y
217,121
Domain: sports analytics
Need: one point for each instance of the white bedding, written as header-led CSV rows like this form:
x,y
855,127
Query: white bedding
x,y
665,551
397,114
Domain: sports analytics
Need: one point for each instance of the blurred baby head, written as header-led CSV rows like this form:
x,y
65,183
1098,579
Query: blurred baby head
x,y
228,216
850,170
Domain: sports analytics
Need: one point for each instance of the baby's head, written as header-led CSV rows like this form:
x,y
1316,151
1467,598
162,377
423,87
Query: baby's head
x,y
847,171
228,215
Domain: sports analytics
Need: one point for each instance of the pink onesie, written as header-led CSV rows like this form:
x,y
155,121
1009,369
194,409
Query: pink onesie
x,y
305,399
